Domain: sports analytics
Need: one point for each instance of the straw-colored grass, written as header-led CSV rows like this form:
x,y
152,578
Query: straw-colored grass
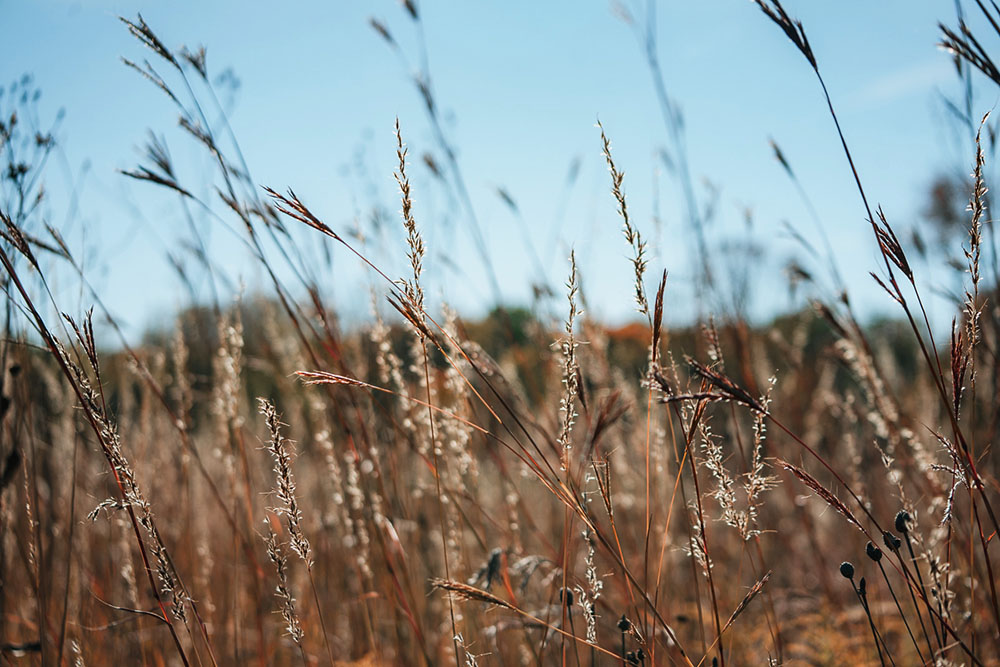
x,y
263,487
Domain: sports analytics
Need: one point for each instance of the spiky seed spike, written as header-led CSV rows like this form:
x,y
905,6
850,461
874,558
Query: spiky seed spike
x,y
748,598
792,28
658,315
730,390
632,235
466,592
383,32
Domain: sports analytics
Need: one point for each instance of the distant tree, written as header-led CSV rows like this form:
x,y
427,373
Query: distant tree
x,y
947,198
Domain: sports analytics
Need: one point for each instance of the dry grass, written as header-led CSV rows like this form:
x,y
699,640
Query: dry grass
x,y
265,488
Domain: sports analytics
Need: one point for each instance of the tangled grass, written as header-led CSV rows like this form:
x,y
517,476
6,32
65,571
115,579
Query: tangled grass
x,y
266,488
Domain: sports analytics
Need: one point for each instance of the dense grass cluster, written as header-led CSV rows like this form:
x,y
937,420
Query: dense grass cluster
x,y
262,486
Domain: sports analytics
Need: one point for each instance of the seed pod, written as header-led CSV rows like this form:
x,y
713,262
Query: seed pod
x,y
624,624
903,521
891,541
847,570
873,552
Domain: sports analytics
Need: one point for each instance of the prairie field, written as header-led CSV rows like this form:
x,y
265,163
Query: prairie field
x,y
263,480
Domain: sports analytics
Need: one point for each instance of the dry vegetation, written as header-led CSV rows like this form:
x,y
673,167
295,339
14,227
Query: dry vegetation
x,y
261,487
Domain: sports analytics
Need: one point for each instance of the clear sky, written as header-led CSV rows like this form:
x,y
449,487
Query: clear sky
x,y
520,86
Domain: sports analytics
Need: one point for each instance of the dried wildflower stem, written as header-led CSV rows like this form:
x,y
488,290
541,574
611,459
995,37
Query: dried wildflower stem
x,y
899,608
727,390
653,367
702,399
681,457
639,265
414,240
69,562
557,488
629,230
615,553
923,591
688,438
604,485
879,642
670,512
291,206
946,626
570,369
196,123
633,585
892,255
740,608
467,592
99,430
424,85
288,506
282,592
820,490
973,309
442,514
732,392
176,420
415,294
36,549
567,407
322,377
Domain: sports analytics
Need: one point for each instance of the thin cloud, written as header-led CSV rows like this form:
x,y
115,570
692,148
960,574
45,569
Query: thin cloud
x,y
918,79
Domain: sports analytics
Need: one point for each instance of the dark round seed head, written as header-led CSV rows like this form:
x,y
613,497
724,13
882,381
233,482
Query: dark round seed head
x,y
873,552
863,586
641,655
566,596
847,570
631,659
903,521
624,624
891,541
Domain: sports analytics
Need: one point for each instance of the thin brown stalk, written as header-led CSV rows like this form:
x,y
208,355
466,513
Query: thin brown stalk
x,y
471,593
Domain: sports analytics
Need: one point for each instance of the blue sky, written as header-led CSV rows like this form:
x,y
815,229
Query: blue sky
x,y
521,86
